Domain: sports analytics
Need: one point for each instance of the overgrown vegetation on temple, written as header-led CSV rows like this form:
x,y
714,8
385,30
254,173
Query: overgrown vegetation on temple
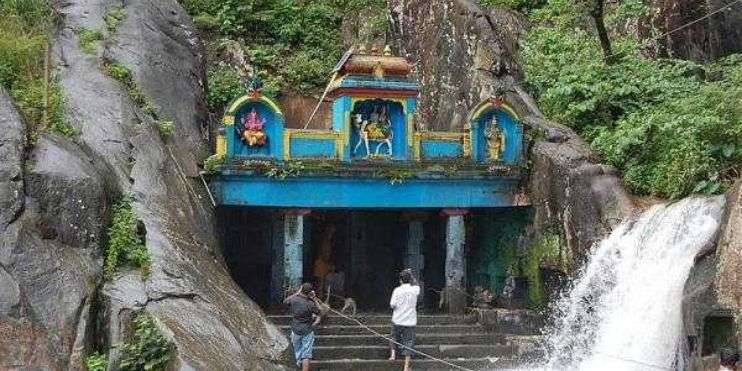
x,y
25,27
291,45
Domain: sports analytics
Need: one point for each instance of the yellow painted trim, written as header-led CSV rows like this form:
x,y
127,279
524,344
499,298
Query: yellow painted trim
x,y
221,145
442,135
486,104
286,145
229,114
410,131
466,145
416,146
345,135
312,134
464,138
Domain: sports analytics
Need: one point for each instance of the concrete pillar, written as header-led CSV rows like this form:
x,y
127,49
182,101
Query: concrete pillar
x,y
288,253
455,260
414,257
277,246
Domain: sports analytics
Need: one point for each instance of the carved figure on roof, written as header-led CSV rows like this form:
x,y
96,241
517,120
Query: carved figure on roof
x,y
254,85
251,129
495,140
376,127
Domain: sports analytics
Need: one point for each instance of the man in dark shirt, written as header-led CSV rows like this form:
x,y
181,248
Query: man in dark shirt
x,y
303,307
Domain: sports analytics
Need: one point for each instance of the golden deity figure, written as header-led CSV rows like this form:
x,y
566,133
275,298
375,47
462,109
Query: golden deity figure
x,y
495,140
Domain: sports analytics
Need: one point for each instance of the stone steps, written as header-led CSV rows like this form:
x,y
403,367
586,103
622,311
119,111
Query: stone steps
x,y
344,345
417,364
433,339
438,351
381,319
386,329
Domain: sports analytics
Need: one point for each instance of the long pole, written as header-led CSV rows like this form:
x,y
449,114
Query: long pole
x,y
47,67
321,99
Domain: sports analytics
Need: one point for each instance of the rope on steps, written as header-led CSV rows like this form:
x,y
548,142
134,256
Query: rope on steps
x,y
399,344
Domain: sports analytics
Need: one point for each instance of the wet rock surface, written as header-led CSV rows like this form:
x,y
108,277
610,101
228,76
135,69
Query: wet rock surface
x,y
50,254
729,254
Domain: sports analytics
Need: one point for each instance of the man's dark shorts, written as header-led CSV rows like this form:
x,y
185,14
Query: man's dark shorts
x,y
404,335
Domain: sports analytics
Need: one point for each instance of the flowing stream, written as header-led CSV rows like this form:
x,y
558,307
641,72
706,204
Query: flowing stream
x,y
624,309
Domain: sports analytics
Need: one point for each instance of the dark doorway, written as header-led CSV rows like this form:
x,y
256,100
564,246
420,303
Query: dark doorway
x,y
366,248
434,250
246,249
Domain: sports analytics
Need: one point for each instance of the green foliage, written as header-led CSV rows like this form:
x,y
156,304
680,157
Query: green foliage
x,y
213,162
291,44
206,22
396,176
89,39
125,247
165,128
147,349
289,169
671,126
521,5
223,86
24,29
123,75
545,249
96,362
114,16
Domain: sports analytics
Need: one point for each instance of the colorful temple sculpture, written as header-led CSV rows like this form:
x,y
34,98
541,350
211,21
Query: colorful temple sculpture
x,y
307,184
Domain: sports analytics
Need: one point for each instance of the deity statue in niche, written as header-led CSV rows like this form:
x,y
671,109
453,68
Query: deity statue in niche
x,y
375,126
251,129
495,139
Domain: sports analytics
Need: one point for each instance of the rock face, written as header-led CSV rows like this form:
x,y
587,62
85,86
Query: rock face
x,y
464,53
49,247
729,253
713,289
704,41
51,236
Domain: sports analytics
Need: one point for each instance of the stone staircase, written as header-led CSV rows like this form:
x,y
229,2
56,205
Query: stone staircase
x,y
341,344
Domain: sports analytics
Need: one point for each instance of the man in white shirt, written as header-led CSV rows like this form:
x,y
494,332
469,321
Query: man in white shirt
x,y
404,317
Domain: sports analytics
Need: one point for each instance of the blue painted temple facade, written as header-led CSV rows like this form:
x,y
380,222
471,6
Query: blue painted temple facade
x,y
372,157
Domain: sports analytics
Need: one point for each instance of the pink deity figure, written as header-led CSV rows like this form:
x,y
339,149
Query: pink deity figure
x,y
253,134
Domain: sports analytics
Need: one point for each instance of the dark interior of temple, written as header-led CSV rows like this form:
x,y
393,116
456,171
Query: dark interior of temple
x,y
367,248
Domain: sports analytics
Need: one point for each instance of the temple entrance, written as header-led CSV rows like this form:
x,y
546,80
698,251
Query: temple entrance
x,y
366,249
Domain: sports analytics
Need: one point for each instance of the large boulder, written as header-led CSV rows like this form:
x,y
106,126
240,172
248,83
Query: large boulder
x,y
464,53
49,247
188,290
729,255
712,296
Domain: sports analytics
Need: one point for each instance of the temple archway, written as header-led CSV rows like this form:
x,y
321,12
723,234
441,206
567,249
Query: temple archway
x,y
496,134
256,127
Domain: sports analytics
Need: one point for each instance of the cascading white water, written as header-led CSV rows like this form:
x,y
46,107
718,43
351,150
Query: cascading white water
x,y
624,309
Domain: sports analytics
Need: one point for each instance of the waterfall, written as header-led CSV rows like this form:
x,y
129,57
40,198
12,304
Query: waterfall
x,y
623,310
